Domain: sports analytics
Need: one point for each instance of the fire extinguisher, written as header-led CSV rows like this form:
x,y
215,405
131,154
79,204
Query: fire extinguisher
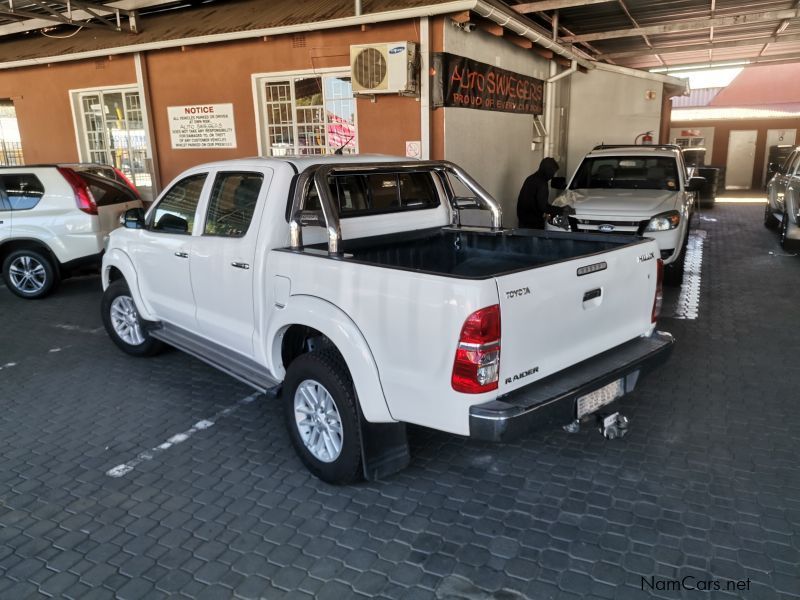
x,y
647,138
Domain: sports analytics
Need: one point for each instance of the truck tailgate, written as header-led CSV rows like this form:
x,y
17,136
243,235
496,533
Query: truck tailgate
x,y
560,314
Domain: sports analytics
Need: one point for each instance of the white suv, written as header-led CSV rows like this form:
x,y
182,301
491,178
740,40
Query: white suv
x,y
55,219
634,190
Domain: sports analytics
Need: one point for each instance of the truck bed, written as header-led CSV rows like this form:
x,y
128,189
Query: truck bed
x,y
475,254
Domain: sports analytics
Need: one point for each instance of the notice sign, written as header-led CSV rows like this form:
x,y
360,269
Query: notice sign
x,y
201,126
468,83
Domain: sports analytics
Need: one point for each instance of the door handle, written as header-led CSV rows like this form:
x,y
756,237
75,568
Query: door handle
x,y
240,265
182,254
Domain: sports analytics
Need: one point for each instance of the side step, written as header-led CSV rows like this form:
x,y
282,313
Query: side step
x,y
234,364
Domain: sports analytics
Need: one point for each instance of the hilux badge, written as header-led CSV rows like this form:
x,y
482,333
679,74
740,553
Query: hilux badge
x,y
645,257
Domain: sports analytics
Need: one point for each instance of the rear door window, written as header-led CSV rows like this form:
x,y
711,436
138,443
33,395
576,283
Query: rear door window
x,y
232,203
23,191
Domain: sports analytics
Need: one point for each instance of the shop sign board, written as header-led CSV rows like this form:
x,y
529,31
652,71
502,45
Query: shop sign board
x,y
467,83
199,126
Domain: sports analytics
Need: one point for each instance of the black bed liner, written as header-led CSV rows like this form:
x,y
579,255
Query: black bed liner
x,y
473,253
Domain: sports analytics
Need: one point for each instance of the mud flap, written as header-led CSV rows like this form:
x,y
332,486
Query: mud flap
x,y
384,449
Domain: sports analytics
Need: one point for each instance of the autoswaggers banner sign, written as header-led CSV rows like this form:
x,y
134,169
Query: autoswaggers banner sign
x,y
467,83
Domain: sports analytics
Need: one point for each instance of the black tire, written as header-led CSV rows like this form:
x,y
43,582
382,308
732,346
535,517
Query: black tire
x,y
27,263
785,243
326,369
770,222
149,345
673,274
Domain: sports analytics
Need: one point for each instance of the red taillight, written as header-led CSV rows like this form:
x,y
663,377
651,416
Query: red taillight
x,y
476,368
127,181
83,195
659,290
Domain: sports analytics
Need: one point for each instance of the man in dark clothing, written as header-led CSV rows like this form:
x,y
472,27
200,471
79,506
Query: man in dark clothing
x,y
534,197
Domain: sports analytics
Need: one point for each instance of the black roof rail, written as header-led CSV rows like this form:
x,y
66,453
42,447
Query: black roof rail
x,y
656,146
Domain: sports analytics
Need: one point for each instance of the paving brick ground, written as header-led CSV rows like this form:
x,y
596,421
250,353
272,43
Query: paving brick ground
x,y
706,484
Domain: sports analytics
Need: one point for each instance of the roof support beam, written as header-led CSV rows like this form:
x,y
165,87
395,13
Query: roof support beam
x,y
754,41
772,59
543,5
689,25
34,21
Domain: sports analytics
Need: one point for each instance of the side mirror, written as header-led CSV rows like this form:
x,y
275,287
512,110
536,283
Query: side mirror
x,y
558,183
133,219
695,184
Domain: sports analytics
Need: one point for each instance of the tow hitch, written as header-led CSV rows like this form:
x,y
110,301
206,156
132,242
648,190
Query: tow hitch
x,y
612,426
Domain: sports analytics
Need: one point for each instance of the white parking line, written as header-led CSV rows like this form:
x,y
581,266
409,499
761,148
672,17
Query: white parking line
x,y
178,438
8,365
688,305
78,328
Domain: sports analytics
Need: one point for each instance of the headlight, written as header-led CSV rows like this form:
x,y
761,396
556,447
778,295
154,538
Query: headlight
x,y
559,221
664,222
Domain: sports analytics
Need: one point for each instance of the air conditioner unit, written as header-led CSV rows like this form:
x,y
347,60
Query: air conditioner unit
x,y
389,68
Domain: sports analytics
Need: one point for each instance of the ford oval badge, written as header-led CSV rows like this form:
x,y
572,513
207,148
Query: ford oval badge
x,y
397,50
606,228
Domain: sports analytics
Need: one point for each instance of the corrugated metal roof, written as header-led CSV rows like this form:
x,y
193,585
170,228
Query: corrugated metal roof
x,y
696,98
210,19
710,113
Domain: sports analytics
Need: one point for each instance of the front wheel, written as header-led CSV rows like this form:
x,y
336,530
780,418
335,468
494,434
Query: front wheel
x,y
30,274
322,417
770,222
123,323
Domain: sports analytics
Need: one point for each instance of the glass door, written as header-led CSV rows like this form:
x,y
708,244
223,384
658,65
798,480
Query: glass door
x,y
115,134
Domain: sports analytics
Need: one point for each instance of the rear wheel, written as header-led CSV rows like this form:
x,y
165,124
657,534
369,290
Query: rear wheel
x,y
322,418
123,323
30,273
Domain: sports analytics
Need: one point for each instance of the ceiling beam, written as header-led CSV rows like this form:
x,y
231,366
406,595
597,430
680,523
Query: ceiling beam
x,y
688,25
754,41
636,25
35,21
543,5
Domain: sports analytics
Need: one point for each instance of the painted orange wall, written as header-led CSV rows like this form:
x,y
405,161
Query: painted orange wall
x,y
42,103
221,73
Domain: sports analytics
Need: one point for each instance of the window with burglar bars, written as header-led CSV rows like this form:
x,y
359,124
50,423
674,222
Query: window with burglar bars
x,y
10,144
113,132
309,115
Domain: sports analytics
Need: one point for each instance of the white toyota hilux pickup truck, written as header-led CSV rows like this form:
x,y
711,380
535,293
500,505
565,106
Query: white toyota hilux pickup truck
x,y
349,289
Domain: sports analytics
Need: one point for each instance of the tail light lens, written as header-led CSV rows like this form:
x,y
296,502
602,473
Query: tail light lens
x,y
83,195
659,297
476,368
127,181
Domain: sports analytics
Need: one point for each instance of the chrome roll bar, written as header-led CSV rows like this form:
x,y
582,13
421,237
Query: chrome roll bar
x,y
328,217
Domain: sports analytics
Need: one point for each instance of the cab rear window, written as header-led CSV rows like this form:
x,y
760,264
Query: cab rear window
x,y
357,195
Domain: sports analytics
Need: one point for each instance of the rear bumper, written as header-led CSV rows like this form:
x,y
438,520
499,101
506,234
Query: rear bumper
x,y
553,399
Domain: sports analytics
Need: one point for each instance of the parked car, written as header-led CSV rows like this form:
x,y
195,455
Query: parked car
x,y
633,190
782,210
776,157
349,283
54,221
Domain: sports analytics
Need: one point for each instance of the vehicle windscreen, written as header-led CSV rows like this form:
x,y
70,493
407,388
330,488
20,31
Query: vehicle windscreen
x,y
107,191
627,173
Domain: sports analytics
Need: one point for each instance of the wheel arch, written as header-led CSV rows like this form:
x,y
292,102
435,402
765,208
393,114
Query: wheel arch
x,y
310,315
118,265
13,244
